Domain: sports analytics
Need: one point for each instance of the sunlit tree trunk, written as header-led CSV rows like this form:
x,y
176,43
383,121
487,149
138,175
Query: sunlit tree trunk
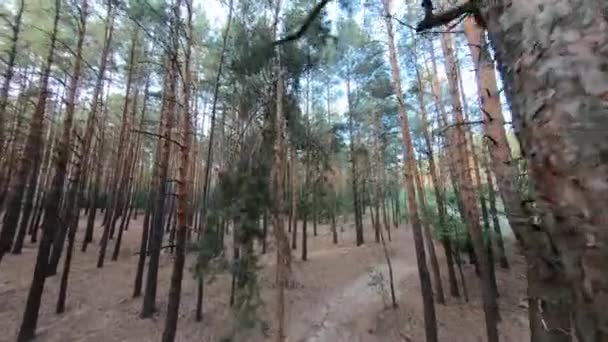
x,y
467,192
430,321
544,276
439,196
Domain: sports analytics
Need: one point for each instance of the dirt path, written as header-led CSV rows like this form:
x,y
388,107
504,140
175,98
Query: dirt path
x,y
341,318
331,299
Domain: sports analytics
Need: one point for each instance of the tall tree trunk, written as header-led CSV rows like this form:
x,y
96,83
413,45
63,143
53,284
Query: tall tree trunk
x,y
72,213
123,158
94,196
359,240
430,320
294,199
14,144
538,246
439,196
467,192
9,73
304,234
132,158
183,179
283,261
209,161
30,316
29,164
428,238
97,93
502,256
34,185
149,300
470,146
264,230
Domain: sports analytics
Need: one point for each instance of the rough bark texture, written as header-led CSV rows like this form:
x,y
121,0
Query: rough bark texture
x,y
546,282
430,320
556,64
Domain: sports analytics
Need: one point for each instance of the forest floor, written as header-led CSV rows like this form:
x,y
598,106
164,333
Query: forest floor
x,y
331,296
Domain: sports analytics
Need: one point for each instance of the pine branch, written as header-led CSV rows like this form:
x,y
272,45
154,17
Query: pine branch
x,y
307,22
432,20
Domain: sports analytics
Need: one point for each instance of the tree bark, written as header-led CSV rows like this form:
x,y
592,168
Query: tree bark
x,y
439,196
430,320
539,248
359,240
183,178
29,164
428,238
72,208
283,260
149,300
467,193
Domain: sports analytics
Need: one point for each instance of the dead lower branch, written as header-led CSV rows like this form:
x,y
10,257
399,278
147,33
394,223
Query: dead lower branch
x,y
305,25
432,20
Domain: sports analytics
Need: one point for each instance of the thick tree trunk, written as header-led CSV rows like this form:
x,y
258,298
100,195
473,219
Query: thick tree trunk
x,y
430,320
539,249
559,114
